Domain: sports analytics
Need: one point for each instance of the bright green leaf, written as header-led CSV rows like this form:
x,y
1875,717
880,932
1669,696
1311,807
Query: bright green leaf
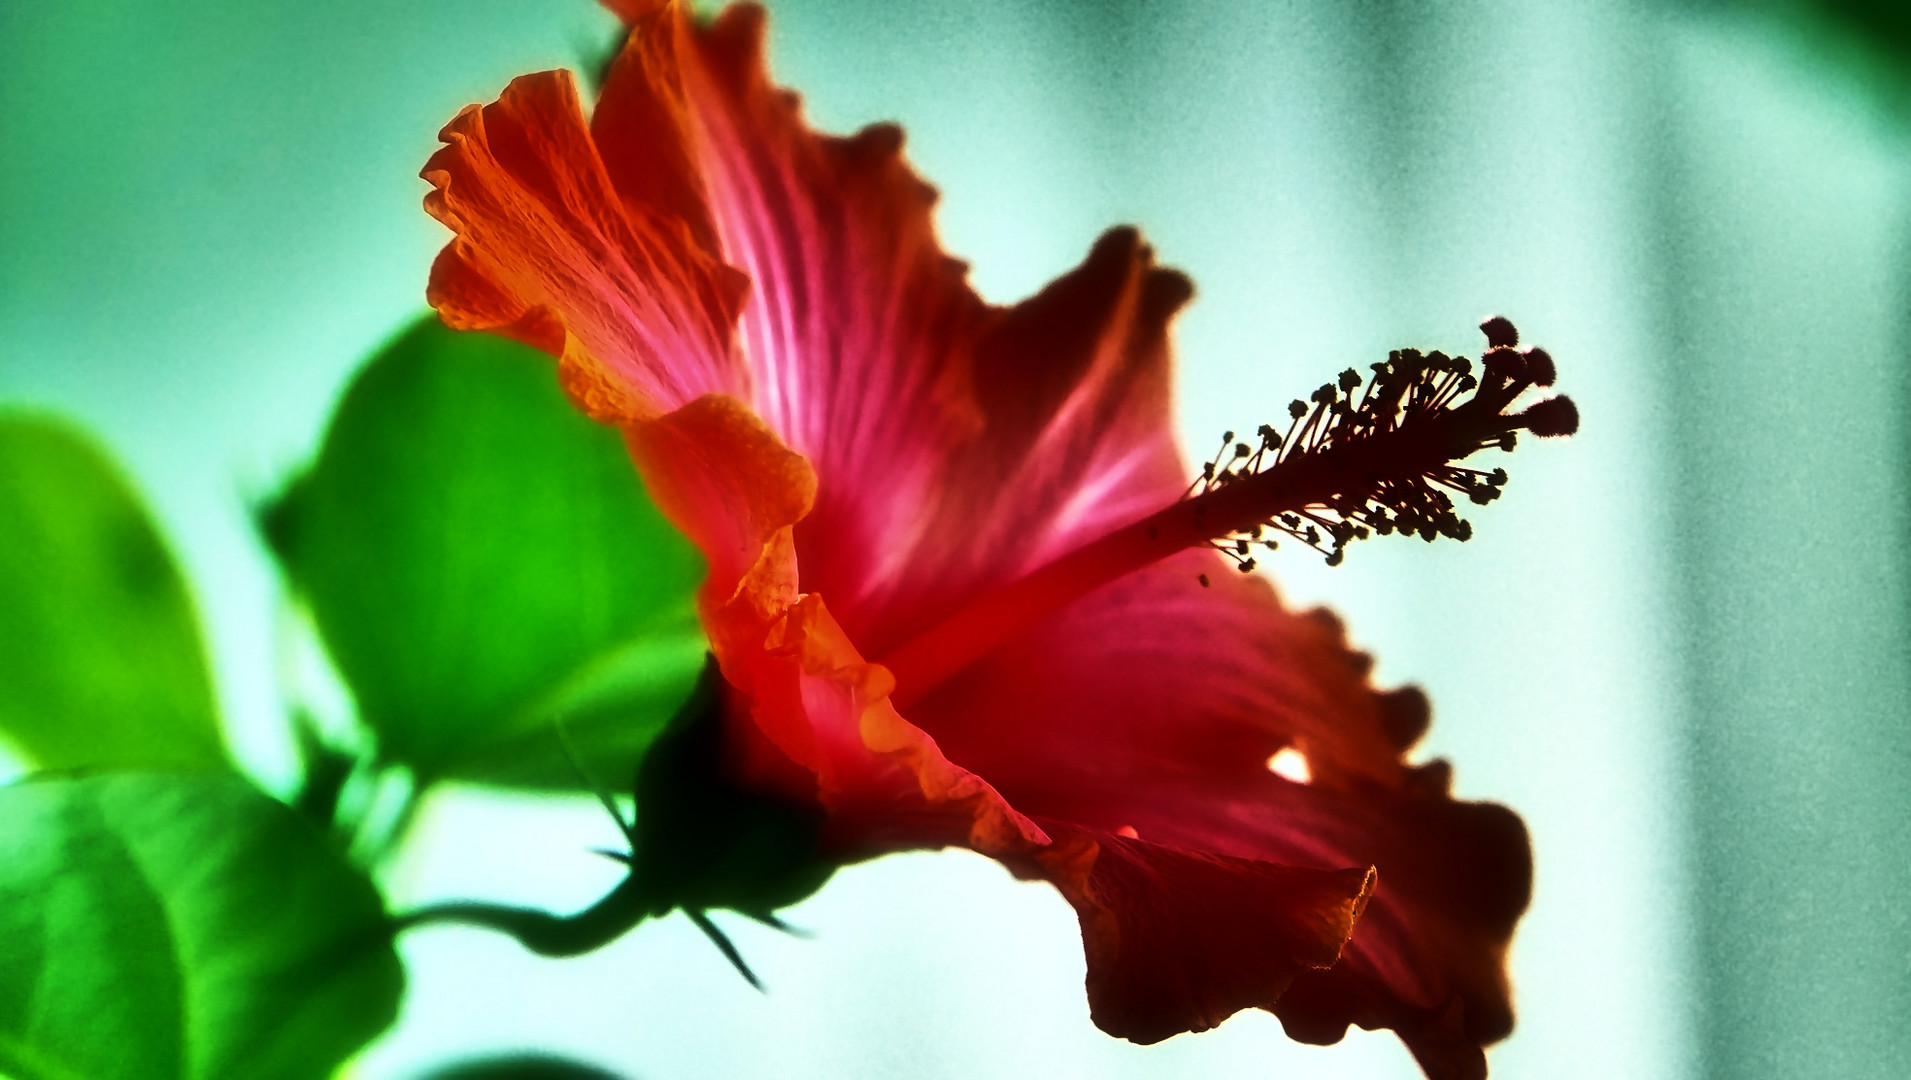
x,y
483,565
181,926
100,657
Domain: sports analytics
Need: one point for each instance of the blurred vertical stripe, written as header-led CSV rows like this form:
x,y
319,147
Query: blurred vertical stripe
x,y
1784,235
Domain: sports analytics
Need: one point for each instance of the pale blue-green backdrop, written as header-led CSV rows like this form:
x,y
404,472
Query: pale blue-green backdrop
x,y
1678,646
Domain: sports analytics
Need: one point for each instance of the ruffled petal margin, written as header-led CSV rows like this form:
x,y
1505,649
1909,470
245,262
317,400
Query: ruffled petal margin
x,y
817,724
720,475
638,311
1153,708
1179,940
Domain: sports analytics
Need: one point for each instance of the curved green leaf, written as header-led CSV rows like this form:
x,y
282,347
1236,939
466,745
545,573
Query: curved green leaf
x,y
100,656
483,565
181,926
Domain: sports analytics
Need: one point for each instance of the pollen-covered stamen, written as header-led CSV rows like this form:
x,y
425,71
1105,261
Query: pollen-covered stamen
x,y
1373,455
1417,406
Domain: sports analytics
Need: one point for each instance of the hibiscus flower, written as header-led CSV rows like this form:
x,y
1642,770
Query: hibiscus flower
x,y
961,591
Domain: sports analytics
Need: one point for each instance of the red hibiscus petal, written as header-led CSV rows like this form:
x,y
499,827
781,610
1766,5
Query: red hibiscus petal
x,y
1179,940
1076,439
730,484
1154,705
818,722
885,783
603,245
996,437
857,321
859,330
638,312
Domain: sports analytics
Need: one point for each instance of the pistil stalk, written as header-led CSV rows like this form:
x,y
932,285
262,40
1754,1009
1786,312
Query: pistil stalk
x,y
1345,468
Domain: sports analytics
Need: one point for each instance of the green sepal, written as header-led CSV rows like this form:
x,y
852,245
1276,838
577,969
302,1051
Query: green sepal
x,y
702,840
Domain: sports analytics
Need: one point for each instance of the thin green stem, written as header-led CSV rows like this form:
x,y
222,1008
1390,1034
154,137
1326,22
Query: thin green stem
x,y
540,931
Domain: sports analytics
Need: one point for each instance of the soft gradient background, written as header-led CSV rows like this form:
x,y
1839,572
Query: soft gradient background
x,y
1678,647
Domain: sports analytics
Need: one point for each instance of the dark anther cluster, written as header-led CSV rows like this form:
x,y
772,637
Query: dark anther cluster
x,y
1377,455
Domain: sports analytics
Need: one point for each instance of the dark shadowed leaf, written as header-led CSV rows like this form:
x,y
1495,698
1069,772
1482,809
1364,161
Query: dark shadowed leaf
x,y
180,926
483,564
100,657
521,1067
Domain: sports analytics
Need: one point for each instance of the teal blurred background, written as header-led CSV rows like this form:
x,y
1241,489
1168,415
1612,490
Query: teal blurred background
x,y
1678,647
